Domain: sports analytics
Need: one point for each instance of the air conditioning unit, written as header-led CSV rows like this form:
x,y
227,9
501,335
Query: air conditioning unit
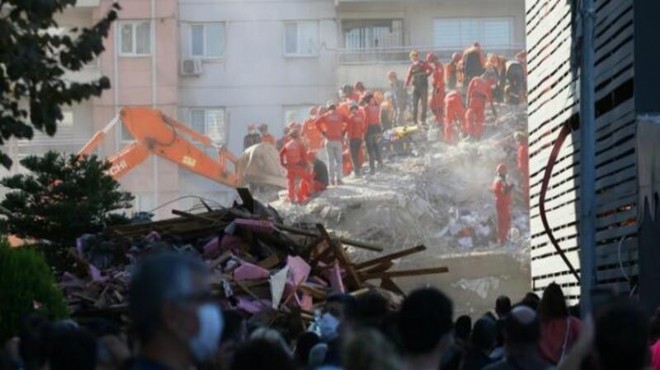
x,y
191,67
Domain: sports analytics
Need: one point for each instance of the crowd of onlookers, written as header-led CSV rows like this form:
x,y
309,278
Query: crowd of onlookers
x,y
177,324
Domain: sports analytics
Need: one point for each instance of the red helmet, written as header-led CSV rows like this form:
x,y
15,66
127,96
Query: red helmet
x,y
391,74
501,168
456,57
431,58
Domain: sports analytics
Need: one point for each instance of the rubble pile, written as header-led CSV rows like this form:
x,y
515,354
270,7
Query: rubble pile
x,y
269,270
440,197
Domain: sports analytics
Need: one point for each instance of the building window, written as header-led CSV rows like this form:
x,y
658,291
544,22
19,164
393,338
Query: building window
x,y
297,113
372,34
459,33
301,38
210,122
135,38
207,40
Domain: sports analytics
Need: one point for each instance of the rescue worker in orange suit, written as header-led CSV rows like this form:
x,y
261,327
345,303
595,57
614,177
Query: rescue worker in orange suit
x,y
355,132
474,62
371,111
438,94
479,91
502,190
358,91
522,154
418,75
454,114
293,157
332,126
451,71
266,137
310,133
252,137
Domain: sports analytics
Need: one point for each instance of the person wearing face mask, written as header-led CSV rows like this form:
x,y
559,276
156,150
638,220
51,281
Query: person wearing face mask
x,y
175,319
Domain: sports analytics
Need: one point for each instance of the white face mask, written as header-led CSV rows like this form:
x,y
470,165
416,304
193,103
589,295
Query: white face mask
x,y
328,326
205,343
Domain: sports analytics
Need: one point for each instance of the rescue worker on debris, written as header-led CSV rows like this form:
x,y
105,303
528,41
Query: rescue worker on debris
x,y
293,157
387,112
451,72
492,75
438,93
266,137
281,141
522,155
316,181
356,129
310,133
502,190
515,83
454,114
252,137
399,96
332,126
418,75
474,61
479,91
371,111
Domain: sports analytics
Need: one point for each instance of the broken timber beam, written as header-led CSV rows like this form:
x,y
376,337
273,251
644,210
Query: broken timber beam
x,y
354,281
402,273
390,257
350,242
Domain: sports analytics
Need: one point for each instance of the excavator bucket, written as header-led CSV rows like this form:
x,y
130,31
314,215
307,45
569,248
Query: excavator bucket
x,y
260,165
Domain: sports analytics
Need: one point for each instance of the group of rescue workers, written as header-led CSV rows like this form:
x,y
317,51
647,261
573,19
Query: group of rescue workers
x,y
361,116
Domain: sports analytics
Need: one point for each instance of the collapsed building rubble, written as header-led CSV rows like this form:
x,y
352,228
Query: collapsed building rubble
x,y
261,266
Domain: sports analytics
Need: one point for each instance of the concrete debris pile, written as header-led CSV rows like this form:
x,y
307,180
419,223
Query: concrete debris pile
x,y
441,198
262,267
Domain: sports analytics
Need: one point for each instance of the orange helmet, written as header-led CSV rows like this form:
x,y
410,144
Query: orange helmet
x,y
456,57
391,74
501,168
431,58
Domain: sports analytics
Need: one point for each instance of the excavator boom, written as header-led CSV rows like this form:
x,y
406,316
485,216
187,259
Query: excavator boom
x,y
156,133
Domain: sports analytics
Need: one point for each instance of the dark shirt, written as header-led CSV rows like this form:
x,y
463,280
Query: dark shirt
x,y
453,357
251,139
475,360
533,362
141,363
321,172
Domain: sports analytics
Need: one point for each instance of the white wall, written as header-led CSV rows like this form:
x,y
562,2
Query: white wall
x,y
254,80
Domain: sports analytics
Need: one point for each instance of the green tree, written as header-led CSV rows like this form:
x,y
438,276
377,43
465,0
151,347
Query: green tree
x,y
61,199
27,285
33,62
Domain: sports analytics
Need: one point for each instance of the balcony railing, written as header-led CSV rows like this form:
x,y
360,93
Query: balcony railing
x,y
401,54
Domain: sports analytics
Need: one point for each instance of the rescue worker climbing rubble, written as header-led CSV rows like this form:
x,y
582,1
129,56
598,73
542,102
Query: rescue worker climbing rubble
x,y
436,102
418,76
293,157
371,111
479,91
454,114
332,125
502,190
522,156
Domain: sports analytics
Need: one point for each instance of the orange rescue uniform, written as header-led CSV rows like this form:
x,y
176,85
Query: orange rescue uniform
x,y
436,102
311,135
479,91
293,157
454,112
502,191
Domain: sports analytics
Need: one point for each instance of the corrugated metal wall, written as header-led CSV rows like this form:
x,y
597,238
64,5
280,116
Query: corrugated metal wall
x,y
553,54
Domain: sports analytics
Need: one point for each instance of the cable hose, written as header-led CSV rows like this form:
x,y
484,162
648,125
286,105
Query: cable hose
x,y
563,133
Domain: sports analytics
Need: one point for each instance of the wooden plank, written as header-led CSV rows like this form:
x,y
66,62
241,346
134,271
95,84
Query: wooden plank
x,y
351,242
404,273
390,257
351,275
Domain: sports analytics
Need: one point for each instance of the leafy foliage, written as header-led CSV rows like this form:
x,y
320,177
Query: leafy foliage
x,y
60,200
27,286
33,61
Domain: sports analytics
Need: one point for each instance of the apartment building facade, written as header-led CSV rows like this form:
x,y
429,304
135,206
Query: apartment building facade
x,y
219,65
